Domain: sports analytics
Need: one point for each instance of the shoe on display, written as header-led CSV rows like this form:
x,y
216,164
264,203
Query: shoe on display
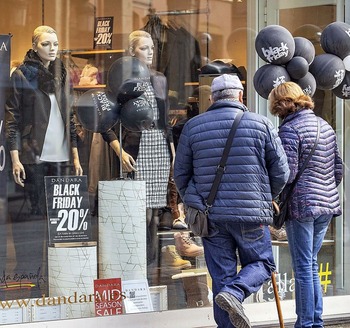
x,y
165,219
278,234
196,288
234,308
186,246
172,258
179,224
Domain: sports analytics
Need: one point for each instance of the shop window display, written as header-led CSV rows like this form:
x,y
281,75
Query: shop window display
x,y
188,37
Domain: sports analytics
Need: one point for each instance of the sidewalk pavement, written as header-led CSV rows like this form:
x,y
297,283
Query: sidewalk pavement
x,y
333,325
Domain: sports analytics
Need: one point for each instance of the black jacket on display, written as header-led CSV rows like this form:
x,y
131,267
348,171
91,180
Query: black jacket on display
x,y
28,105
174,48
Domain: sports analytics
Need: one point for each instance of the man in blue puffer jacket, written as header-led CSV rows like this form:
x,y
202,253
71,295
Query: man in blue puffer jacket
x,y
255,173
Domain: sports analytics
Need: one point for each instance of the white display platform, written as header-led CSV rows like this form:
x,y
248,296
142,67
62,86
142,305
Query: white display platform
x,y
72,271
122,229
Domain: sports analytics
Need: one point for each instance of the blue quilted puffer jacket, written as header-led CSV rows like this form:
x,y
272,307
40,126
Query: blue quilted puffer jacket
x,y
316,191
256,170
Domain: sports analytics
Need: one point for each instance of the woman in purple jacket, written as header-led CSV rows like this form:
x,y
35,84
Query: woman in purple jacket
x,y
315,198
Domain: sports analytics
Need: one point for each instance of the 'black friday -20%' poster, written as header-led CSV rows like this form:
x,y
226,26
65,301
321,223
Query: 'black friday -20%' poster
x,y
68,210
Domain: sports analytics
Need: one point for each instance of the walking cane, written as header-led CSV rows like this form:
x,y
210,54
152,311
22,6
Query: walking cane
x,y
277,298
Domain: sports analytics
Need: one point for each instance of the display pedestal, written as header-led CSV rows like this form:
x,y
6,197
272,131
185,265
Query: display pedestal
x,y
122,229
72,271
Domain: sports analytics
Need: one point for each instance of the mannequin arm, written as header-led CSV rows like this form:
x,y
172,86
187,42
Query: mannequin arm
x,y
18,171
127,161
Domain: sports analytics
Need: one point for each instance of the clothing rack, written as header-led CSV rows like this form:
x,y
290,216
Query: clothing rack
x,y
153,12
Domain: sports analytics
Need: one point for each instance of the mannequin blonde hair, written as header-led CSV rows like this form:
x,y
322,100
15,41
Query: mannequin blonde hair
x,y
39,31
134,38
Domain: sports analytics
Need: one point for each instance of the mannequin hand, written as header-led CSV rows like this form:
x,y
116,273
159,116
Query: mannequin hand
x,y
76,162
128,163
19,174
77,168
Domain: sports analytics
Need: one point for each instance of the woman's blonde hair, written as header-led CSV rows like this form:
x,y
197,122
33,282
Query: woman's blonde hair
x,y
288,98
134,38
40,30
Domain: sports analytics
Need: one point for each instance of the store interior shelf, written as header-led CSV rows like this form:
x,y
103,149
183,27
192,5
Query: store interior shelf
x,y
88,87
91,53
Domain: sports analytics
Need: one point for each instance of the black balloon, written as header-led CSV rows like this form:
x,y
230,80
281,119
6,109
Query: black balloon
x,y
343,89
268,77
137,114
335,39
275,45
328,70
304,48
97,111
346,62
130,89
123,69
307,84
297,67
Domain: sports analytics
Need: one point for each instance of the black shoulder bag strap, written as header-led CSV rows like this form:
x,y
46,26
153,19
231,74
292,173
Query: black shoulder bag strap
x,y
221,167
304,165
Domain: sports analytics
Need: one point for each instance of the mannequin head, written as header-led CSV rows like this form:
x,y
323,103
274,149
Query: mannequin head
x,y
45,43
141,46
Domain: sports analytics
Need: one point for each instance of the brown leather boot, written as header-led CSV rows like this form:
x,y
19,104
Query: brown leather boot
x,y
196,288
172,198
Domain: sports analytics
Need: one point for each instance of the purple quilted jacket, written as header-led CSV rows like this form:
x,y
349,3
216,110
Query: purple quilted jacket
x,y
316,191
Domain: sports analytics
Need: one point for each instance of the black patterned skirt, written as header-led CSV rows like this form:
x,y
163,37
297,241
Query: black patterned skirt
x,y
153,166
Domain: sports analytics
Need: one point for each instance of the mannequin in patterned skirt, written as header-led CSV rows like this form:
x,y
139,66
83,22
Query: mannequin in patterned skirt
x,y
148,154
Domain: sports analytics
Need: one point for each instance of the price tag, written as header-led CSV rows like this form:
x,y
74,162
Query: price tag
x,y
68,210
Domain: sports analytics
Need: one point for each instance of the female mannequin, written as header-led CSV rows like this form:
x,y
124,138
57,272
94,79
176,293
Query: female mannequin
x,y
147,154
40,131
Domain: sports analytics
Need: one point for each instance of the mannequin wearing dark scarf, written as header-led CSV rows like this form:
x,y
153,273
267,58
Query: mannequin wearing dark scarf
x,y
39,131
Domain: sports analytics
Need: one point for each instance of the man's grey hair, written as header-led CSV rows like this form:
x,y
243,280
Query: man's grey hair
x,y
226,94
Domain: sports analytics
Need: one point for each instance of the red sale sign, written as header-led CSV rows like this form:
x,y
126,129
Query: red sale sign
x,y
108,296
